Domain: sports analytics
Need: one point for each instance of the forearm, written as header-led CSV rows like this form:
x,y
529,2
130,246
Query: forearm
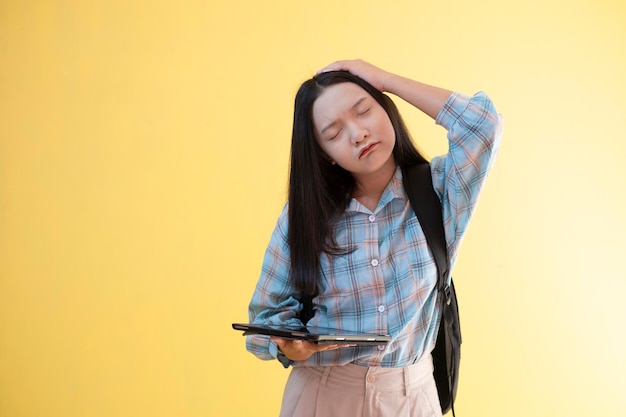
x,y
429,99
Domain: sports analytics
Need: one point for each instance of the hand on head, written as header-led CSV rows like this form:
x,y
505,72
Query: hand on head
x,y
370,73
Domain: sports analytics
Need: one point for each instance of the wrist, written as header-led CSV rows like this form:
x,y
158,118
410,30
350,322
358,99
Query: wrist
x,y
282,358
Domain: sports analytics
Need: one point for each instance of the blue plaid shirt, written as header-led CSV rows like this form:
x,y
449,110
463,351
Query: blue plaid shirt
x,y
388,284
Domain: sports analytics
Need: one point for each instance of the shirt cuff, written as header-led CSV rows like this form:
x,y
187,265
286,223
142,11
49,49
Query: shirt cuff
x,y
452,109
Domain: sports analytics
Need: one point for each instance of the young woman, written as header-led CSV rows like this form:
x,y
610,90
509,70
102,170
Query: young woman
x,y
349,239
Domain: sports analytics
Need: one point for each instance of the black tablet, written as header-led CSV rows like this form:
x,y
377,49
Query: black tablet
x,y
314,334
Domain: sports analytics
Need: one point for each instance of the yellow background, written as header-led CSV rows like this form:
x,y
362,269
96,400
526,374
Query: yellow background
x,y
143,162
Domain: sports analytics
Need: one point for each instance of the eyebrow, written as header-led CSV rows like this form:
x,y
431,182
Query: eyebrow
x,y
331,124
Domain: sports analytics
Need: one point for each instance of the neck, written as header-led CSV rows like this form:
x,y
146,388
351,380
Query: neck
x,y
370,187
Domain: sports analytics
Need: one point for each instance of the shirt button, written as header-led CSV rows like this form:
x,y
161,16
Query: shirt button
x,y
381,308
372,218
371,378
381,347
374,262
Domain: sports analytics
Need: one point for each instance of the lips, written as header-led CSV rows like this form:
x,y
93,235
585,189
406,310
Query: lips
x,y
367,150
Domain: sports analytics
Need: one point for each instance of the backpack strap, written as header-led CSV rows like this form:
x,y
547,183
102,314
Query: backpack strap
x,y
446,354
418,185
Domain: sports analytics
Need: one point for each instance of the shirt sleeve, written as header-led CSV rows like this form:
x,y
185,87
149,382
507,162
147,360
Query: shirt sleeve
x,y
275,300
474,132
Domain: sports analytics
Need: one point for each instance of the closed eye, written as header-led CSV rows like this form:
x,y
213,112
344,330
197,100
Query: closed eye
x,y
335,135
364,111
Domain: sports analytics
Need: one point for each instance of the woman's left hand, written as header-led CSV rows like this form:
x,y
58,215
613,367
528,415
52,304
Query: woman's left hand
x,y
300,350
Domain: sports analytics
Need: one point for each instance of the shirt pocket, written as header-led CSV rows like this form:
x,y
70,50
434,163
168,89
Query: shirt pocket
x,y
415,259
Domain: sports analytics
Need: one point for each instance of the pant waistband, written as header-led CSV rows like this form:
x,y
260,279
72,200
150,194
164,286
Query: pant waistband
x,y
356,377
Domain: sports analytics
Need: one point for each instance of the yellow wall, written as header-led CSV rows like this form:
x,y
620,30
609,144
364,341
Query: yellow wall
x,y
143,163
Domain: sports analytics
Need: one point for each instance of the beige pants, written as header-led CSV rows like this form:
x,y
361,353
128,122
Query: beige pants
x,y
355,391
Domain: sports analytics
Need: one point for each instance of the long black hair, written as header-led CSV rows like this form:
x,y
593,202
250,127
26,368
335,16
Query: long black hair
x,y
320,191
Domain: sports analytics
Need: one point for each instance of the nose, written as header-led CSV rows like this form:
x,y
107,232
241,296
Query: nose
x,y
359,133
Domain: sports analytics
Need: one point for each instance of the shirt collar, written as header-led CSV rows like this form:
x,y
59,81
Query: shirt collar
x,y
394,190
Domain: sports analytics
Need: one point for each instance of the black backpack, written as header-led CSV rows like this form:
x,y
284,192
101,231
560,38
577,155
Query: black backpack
x,y
447,353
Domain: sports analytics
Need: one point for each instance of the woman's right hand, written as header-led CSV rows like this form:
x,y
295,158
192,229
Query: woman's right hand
x,y
301,350
370,73
427,98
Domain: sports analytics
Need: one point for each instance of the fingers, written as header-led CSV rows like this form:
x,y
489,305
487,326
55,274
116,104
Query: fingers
x,y
332,347
305,346
344,65
335,66
360,68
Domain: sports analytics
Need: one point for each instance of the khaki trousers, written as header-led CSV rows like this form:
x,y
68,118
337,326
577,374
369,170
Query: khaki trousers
x,y
356,391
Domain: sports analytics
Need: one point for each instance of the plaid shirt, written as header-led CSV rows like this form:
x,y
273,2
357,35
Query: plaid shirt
x,y
388,284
